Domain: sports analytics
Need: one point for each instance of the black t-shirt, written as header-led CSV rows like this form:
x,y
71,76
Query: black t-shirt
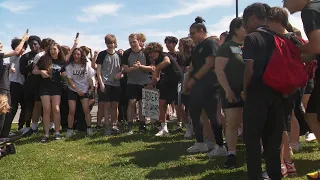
x,y
178,57
4,76
207,48
234,69
171,73
58,66
26,67
258,46
310,16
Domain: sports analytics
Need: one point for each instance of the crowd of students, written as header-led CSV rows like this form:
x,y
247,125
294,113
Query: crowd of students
x,y
215,85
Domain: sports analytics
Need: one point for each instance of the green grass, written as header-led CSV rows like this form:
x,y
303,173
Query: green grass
x,y
127,157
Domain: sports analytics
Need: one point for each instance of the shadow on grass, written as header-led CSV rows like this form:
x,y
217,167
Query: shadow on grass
x,y
146,137
210,169
155,154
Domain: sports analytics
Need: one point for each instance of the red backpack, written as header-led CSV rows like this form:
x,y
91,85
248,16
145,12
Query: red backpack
x,y
285,71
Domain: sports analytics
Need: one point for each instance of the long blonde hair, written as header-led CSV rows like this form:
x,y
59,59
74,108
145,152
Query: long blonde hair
x,y
4,104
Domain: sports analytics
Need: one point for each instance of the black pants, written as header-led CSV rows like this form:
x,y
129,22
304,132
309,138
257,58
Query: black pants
x,y
299,112
262,118
64,108
17,97
4,125
205,97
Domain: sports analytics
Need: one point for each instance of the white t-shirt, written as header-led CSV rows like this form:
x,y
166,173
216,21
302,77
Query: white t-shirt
x,y
16,76
38,56
80,75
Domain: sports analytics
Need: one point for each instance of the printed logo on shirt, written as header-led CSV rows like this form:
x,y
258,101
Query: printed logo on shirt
x,y
200,50
236,50
30,62
80,73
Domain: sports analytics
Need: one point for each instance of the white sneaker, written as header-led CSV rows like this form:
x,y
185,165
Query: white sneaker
x,y
129,133
162,133
198,147
296,147
211,145
89,131
69,133
25,130
218,151
310,137
11,134
189,131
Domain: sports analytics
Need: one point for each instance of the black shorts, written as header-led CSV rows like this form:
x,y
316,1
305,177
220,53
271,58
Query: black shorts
x,y
134,91
226,104
74,95
111,94
314,100
168,92
50,89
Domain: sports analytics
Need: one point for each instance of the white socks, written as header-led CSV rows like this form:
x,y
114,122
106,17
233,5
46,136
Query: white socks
x,y
164,126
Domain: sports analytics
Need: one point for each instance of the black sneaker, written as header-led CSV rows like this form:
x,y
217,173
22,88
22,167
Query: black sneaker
x,y
143,129
44,139
28,133
52,131
58,136
231,162
178,130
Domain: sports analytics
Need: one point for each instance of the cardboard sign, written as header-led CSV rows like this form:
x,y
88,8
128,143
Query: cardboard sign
x,y
150,103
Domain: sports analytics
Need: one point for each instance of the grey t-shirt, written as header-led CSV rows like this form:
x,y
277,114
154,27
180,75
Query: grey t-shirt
x,y
136,77
110,66
16,76
80,75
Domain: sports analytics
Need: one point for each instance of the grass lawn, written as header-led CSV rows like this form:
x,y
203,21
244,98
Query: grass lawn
x,y
140,156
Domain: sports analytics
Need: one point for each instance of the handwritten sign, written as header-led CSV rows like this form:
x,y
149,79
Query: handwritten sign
x,y
150,103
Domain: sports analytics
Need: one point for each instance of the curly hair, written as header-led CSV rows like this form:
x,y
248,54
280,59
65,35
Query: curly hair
x,y
83,58
187,44
153,47
4,104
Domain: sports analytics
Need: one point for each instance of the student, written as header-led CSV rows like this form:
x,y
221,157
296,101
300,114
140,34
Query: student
x,y
310,15
5,85
16,85
171,43
51,67
203,86
229,67
109,73
32,98
44,47
185,47
261,101
79,74
137,67
171,75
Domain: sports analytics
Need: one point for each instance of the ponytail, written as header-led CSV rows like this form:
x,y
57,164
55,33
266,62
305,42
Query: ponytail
x,y
229,37
289,27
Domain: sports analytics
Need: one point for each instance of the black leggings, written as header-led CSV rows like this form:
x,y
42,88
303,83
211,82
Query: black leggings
x,y
299,112
204,97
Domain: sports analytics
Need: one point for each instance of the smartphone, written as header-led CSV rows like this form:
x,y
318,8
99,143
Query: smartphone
x,y
27,31
77,35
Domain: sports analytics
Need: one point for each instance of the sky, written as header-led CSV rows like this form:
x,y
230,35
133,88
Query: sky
x,y
62,19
